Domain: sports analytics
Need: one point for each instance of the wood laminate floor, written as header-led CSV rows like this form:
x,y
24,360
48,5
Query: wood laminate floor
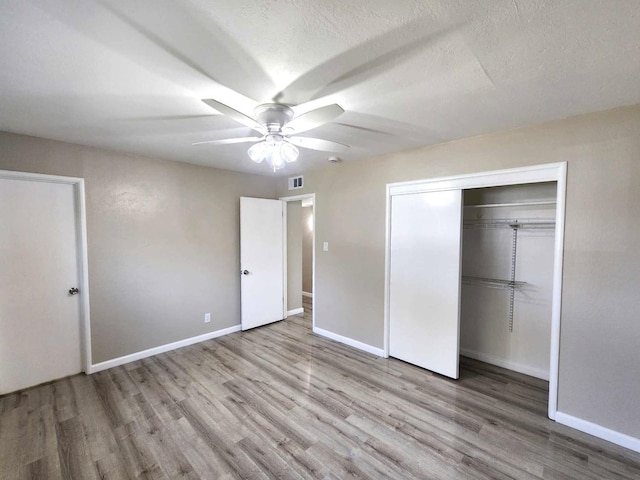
x,y
281,402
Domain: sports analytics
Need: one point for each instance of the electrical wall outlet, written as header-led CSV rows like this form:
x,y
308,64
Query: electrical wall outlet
x,y
207,317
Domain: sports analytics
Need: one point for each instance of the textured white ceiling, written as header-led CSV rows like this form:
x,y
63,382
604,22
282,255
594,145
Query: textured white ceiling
x,y
129,76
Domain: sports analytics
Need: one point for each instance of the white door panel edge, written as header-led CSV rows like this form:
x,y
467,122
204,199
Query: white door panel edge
x,y
43,255
261,261
531,174
424,308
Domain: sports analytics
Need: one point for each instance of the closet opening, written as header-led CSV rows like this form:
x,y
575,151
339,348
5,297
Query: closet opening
x,y
508,241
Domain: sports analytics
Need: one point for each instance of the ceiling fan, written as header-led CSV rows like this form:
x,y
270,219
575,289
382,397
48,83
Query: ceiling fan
x,y
278,127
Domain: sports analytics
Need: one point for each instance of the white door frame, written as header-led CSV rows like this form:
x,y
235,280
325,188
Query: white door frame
x,y
534,174
83,269
295,198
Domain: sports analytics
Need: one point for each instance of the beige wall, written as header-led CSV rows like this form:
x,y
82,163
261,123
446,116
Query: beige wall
x,y
163,244
307,250
163,241
600,338
294,255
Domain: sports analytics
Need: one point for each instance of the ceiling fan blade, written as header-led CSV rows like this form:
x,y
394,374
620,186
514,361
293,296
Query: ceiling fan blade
x,y
318,144
315,118
235,114
226,141
356,65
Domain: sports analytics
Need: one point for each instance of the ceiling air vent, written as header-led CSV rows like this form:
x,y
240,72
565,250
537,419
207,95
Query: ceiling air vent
x,y
295,182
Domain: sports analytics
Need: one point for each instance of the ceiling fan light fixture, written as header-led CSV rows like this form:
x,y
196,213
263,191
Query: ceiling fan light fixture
x,y
275,150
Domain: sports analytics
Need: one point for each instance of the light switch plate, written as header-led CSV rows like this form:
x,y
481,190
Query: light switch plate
x,y
325,246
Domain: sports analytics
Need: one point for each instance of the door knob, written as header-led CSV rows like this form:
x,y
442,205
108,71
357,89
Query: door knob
x,y
244,272
73,291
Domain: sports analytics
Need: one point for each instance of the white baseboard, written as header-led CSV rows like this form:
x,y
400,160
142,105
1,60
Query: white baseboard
x,y
295,311
161,349
500,362
349,341
599,431
307,294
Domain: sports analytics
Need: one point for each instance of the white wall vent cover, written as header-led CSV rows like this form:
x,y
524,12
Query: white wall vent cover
x,y
295,182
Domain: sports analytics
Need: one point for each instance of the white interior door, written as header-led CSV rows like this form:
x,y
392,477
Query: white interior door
x,y
261,261
424,289
39,319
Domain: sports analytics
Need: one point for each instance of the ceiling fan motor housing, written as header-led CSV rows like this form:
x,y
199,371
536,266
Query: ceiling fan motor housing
x,y
273,115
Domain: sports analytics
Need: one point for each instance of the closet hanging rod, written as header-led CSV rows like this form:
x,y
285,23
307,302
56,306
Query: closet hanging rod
x,y
540,223
514,204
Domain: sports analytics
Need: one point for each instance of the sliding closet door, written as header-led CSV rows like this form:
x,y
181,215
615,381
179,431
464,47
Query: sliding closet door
x,y
424,289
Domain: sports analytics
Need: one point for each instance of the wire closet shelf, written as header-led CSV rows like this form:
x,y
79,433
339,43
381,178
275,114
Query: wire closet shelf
x,y
514,224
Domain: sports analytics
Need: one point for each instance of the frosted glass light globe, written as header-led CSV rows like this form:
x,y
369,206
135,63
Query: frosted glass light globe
x,y
289,152
257,152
